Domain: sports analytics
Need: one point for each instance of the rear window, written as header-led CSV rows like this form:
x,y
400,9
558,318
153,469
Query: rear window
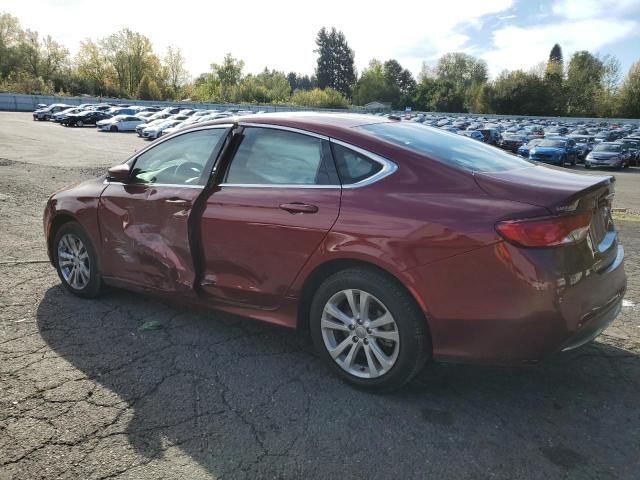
x,y
455,150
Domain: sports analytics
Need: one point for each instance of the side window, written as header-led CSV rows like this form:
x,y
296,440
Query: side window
x,y
178,161
269,156
353,167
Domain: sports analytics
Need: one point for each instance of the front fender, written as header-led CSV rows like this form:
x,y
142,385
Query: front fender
x,y
76,203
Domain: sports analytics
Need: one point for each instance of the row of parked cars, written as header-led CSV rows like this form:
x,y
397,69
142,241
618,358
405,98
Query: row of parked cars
x,y
149,122
595,143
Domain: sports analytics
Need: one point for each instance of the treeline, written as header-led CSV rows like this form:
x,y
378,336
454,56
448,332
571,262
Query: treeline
x,y
125,64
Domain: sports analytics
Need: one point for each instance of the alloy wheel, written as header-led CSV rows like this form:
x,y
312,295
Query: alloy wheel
x,y
360,333
73,259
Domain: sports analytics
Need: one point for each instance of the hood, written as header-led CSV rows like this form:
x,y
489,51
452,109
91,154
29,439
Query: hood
x,y
540,186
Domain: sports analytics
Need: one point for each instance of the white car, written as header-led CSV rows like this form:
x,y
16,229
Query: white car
x,y
155,131
119,123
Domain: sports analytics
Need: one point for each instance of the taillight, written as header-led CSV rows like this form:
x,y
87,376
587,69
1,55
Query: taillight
x,y
546,232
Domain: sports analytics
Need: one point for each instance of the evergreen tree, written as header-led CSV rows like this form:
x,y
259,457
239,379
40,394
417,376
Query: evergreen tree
x,y
335,66
553,80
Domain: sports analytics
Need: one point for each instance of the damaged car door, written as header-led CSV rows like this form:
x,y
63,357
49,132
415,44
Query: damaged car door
x,y
144,221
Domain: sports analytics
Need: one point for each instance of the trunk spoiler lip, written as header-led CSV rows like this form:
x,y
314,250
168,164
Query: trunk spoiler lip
x,y
556,200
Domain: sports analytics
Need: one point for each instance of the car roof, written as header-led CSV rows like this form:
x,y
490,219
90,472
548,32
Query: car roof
x,y
322,123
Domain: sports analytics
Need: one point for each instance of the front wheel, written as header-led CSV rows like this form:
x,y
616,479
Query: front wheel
x,y
369,329
79,123
76,261
113,128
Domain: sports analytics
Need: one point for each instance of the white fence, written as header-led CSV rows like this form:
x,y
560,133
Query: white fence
x,y
27,103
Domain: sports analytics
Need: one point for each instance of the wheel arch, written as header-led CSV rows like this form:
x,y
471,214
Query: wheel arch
x,y
324,270
58,221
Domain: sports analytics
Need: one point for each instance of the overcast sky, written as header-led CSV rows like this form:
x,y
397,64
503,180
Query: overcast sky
x,y
280,34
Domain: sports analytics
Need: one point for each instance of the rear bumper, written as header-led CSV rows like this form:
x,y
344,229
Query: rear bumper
x,y
504,305
596,324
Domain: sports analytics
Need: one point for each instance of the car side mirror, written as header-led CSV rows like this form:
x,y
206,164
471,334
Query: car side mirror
x,y
119,173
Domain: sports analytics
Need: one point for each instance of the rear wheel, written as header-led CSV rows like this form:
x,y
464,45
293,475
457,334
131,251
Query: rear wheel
x,y
369,329
76,261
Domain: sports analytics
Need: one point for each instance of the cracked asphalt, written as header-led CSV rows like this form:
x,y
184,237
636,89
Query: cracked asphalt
x,y
89,389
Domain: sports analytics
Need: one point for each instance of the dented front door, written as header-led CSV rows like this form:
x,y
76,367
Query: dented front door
x,y
145,235
144,222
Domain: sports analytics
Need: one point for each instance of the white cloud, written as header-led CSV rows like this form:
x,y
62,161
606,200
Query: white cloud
x,y
524,47
583,9
279,34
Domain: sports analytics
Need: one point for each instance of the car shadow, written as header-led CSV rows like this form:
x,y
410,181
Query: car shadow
x,y
250,400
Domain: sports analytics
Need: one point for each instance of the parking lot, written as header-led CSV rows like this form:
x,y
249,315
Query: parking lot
x,y
128,387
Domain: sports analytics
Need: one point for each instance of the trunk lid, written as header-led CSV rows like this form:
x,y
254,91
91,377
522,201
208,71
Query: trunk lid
x,y
561,192
552,188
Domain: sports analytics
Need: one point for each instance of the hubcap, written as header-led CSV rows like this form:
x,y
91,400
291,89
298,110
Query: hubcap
x,y
73,259
360,333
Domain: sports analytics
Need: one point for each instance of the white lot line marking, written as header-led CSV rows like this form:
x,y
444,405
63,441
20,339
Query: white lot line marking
x,y
628,303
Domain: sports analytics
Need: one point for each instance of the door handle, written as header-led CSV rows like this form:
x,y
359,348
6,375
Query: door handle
x,y
178,202
297,207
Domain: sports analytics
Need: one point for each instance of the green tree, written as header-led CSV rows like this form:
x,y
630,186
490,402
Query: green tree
x,y
584,84
175,72
148,89
11,35
517,93
461,69
319,98
301,82
553,80
43,58
607,102
629,99
92,67
335,66
130,55
438,96
374,86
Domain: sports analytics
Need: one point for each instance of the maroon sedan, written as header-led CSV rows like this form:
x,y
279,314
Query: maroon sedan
x,y
391,242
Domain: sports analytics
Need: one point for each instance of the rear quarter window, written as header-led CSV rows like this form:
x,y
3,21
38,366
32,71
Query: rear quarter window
x,y
450,148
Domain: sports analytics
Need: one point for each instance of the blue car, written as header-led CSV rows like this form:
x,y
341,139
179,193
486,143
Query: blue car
x,y
523,151
556,151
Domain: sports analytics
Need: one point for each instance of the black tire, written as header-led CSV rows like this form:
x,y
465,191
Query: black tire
x,y
414,340
79,123
47,118
93,286
586,165
113,128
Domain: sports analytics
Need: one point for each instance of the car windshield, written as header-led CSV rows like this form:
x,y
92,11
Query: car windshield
x,y
552,143
607,147
446,147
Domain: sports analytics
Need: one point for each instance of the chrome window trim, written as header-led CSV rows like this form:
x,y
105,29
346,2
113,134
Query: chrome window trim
x,y
282,127
155,144
277,185
172,185
174,135
388,167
